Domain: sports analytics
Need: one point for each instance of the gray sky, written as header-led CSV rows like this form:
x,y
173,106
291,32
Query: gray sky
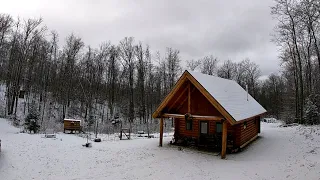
x,y
227,29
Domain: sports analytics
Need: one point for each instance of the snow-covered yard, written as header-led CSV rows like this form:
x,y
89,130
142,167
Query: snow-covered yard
x,y
279,153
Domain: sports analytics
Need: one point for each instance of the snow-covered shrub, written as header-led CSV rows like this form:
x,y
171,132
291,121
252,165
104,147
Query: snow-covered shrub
x,y
311,110
32,121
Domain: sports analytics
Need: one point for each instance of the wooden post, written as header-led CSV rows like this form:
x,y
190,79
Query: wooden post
x,y
224,139
189,98
161,131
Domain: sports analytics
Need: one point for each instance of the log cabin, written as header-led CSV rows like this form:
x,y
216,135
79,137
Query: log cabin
x,y
210,111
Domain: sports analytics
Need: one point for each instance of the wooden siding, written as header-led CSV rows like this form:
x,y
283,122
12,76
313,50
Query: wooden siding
x,y
249,132
238,133
71,125
181,130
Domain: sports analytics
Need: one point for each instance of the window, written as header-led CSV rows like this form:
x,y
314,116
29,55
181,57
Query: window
x,y
218,127
204,127
244,125
189,124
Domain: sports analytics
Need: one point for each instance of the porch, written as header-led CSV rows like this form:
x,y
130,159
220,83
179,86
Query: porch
x,y
205,132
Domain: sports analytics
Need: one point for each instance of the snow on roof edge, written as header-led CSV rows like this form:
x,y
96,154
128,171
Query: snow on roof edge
x,y
72,120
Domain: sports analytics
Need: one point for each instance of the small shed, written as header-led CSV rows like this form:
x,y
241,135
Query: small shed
x,y
211,111
72,125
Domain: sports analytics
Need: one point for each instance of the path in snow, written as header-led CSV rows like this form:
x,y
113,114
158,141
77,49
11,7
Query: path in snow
x,y
279,153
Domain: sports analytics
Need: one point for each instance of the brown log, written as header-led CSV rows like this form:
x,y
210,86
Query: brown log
x,y
212,118
224,139
161,132
189,98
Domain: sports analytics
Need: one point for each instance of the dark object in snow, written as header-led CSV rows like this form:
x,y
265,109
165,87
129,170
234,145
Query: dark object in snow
x,y
0,145
97,140
115,121
172,141
144,134
21,94
151,136
50,136
140,133
289,125
87,145
269,120
126,132
49,133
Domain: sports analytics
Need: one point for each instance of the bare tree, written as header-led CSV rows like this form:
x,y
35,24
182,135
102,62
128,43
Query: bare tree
x,y
127,54
141,68
173,64
209,65
227,70
193,64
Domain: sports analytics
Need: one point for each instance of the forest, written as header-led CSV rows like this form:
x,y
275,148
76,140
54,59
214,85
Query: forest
x,y
129,79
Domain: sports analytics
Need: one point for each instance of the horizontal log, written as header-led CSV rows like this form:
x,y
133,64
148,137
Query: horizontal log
x,y
246,143
212,118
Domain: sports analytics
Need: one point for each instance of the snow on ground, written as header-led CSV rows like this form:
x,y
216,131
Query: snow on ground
x,y
279,153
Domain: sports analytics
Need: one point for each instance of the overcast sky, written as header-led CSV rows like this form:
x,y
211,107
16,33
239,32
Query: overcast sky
x,y
227,29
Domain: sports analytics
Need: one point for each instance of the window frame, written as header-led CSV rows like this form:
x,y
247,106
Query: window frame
x,y
191,125
220,124
207,122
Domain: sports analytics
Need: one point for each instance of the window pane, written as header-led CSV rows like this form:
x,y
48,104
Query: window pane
x,y
204,127
189,125
218,127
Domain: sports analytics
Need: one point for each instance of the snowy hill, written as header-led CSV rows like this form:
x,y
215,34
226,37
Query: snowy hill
x,y
279,153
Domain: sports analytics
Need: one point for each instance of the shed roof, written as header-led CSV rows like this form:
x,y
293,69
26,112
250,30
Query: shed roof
x,y
72,120
230,95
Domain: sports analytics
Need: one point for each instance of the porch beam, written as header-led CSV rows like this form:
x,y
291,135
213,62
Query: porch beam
x,y
224,139
213,118
161,132
189,98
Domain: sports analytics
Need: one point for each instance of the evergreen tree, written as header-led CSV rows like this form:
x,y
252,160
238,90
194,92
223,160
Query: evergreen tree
x,y
311,111
32,121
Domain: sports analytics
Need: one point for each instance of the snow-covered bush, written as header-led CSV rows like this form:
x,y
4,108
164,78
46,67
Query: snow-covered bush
x,y
32,121
311,110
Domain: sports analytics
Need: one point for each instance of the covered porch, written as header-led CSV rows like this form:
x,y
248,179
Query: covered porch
x,y
201,134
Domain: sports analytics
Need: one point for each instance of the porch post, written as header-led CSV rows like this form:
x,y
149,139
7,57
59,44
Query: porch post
x,y
224,139
161,131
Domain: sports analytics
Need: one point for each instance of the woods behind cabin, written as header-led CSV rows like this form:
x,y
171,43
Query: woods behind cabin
x,y
66,78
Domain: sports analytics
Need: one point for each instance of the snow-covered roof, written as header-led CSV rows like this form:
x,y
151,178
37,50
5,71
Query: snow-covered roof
x,y
230,95
72,120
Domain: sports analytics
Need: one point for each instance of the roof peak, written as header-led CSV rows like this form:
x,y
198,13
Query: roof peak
x,y
215,76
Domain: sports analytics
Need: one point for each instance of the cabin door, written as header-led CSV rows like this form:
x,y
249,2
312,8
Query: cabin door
x,y
204,132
